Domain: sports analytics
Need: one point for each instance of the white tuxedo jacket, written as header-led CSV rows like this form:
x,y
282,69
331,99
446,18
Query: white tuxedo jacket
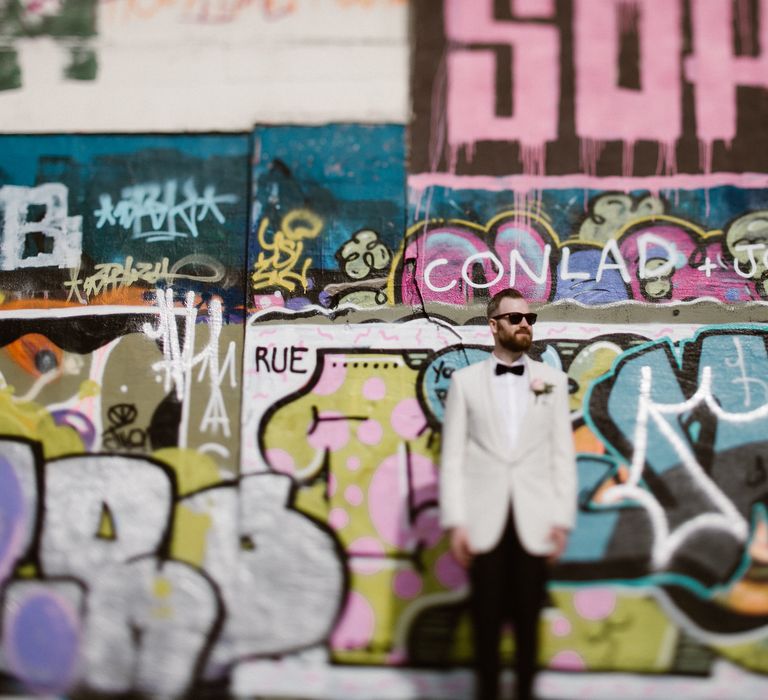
x,y
479,474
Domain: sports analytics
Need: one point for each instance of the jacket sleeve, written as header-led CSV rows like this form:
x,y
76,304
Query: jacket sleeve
x,y
564,458
452,508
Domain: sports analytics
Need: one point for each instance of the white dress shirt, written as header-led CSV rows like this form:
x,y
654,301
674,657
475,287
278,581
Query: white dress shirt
x,y
511,398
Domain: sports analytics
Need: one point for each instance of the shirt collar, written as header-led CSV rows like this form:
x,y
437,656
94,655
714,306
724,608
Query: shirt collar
x,y
497,361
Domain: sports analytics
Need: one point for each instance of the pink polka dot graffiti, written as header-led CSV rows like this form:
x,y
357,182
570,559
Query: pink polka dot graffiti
x,y
370,471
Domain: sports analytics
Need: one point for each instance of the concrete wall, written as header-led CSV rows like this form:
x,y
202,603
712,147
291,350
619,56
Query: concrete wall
x,y
200,65
244,246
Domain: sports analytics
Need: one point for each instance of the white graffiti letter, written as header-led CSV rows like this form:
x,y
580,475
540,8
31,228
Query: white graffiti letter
x,y
38,215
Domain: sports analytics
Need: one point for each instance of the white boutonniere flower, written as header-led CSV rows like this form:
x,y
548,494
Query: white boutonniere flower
x,y
540,388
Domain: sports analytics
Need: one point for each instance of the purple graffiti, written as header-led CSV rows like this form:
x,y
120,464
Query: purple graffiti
x,y
78,422
42,642
577,278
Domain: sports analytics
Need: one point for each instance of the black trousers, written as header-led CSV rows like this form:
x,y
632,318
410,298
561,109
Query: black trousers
x,y
507,583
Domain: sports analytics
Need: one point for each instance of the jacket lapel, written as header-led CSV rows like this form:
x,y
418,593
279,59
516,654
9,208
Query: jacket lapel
x,y
531,373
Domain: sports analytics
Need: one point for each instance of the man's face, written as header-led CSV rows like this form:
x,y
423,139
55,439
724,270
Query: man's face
x,y
514,337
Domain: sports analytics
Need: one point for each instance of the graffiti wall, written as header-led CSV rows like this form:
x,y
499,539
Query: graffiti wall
x,y
121,336
104,220
328,216
224,357
594,247
570,149
662,572
616,88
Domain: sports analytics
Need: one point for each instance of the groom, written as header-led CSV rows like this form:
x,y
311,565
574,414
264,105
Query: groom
x,y
507,488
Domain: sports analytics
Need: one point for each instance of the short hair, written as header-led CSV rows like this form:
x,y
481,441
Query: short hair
x,y
495,302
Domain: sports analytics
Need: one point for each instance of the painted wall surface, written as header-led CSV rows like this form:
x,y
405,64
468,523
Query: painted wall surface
x,y
662,573
328,215
224,358
121,332
104,219
597,87
573,149
587,245
204,65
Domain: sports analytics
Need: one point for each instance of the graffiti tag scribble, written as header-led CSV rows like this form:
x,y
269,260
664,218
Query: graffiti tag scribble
x,y
151,211
278,259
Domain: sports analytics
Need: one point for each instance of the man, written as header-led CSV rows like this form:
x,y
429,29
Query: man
x,y
507,487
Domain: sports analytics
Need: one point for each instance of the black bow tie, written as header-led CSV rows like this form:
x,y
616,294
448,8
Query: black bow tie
x,y
514,369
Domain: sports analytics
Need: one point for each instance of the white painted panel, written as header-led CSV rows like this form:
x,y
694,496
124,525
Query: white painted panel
x,y
164,66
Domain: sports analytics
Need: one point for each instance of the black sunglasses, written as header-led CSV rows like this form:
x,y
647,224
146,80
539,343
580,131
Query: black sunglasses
x,y
514,317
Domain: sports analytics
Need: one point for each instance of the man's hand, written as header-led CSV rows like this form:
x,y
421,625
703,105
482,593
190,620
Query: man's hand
x,y
559,538
460,546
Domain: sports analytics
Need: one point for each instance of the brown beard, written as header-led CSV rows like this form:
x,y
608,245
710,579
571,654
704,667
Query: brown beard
x,y
517,342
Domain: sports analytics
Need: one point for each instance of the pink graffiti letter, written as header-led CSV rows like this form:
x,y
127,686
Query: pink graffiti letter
x,y
606,111
472,76
716,72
